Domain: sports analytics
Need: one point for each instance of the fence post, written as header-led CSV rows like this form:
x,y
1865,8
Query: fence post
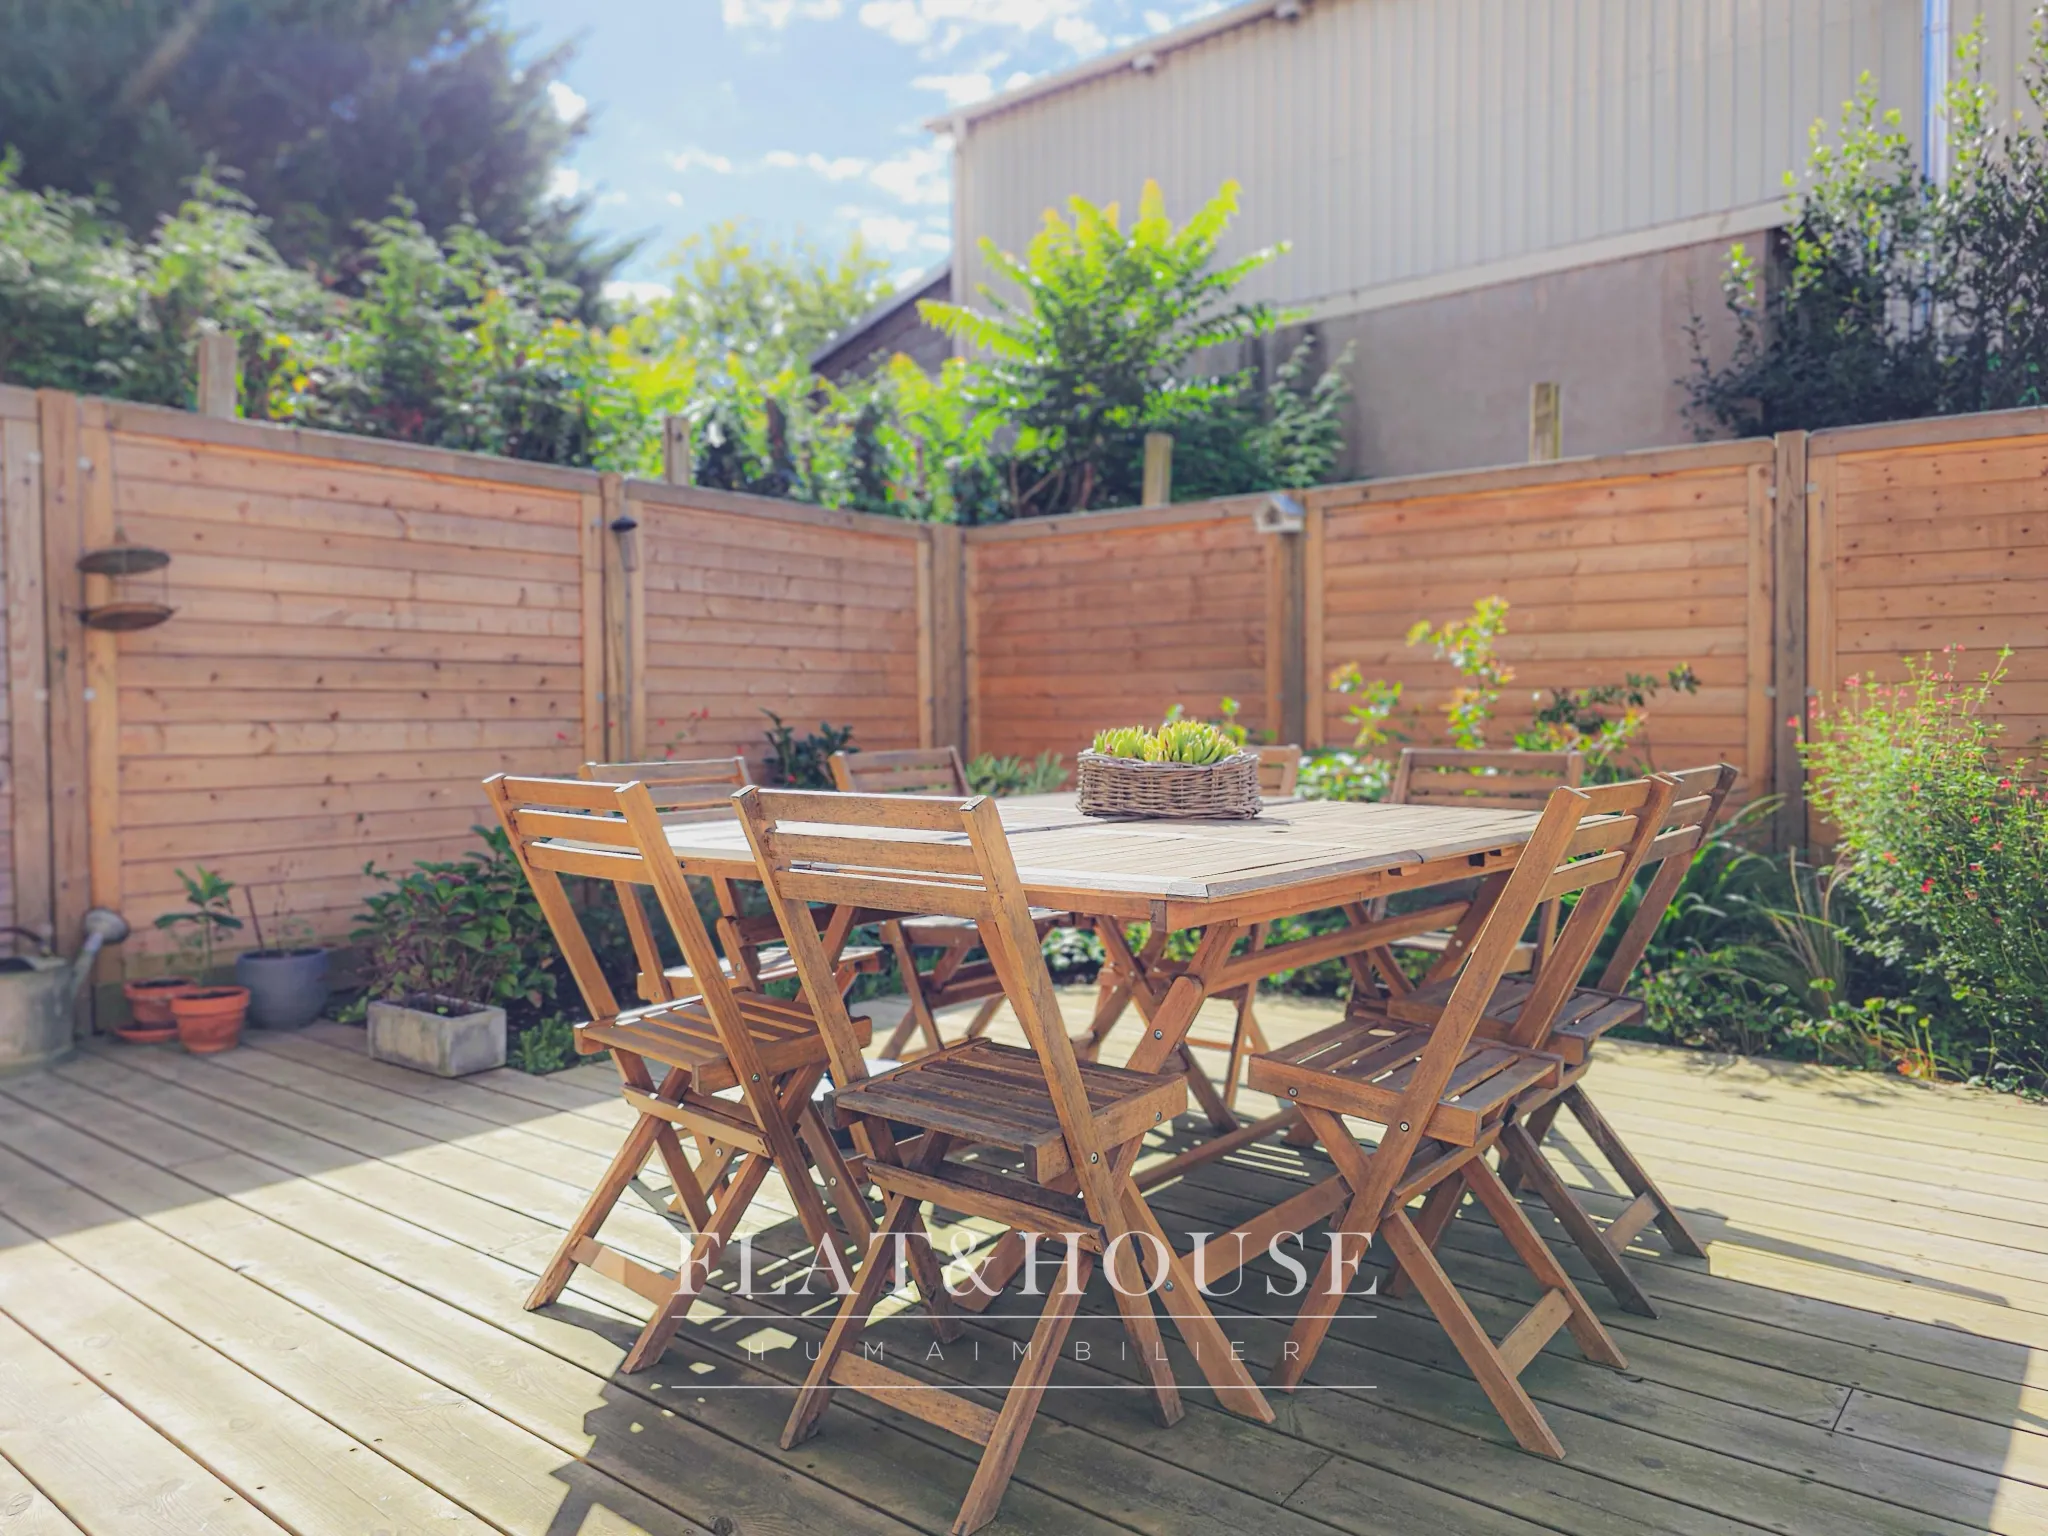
x,y
28,674
64,632
219,394
1286,713
1546,422
625,610
678,466
1788,639
596,625
1158,469
942,637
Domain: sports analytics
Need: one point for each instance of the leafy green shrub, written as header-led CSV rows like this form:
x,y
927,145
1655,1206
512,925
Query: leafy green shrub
x,y
1175,741
1944,841
805,762
1042,775
547,1045
467,928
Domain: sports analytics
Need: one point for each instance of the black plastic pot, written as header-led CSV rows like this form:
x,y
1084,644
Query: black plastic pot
x,y
287,987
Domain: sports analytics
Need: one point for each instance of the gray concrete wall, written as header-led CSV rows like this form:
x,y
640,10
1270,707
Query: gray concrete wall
x,y
1444,383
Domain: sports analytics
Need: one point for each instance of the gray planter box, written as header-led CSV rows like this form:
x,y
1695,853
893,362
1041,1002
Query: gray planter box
x,y
451,1044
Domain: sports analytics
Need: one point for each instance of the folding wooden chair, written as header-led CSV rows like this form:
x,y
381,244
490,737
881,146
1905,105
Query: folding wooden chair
x,y
1076,1129
1279,768
953,978
750,946
1504,780
771,1052
1568,1021
1444,1093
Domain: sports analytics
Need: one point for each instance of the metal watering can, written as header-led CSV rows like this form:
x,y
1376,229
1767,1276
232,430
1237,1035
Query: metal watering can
x,y
39,994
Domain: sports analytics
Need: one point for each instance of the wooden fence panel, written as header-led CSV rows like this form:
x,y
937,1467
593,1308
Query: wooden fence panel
x,y
21,752
752,606
1639,563
1103,619
358,642
1921,543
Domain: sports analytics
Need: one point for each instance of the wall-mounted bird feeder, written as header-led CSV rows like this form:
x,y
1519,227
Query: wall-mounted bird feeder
x,y
124,562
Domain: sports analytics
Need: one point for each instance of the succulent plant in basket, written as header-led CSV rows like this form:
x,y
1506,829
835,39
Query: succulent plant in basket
x,y
1185,768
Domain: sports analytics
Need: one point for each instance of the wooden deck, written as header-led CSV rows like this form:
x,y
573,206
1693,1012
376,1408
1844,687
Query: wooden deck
x,y
279,1290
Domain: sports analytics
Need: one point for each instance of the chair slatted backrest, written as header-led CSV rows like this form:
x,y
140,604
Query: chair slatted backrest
x,y
1481,779
1279,767
907,771
613,832
905,853
1700,796
573,827
683,788
1504,780
1587,841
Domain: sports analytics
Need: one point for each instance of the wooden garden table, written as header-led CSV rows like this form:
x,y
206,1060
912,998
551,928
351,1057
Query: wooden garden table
x,y
1222,877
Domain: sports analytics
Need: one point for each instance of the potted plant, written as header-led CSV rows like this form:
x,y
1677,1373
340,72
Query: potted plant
x,y
209,1018
449,947
1186,768
149,1009
288,983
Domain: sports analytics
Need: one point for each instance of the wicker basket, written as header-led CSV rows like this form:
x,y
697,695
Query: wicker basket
x,y
1123,786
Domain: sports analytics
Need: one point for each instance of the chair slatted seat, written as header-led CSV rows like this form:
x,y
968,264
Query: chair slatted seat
x,y
1075,1129
1568,1022
954,978
767,1052
699,789
1445,1094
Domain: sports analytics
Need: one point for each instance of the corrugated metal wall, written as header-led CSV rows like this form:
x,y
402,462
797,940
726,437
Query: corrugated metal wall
x,y
1397,139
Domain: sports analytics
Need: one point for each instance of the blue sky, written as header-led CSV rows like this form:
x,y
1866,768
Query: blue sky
x,y
804,116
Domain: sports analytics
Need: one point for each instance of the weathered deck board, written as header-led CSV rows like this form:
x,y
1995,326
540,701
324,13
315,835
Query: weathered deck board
x,y
335,1250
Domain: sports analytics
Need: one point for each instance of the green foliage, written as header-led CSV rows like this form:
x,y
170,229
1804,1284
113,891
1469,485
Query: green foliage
x,y
1000,776
549,1045
327,107
1944,842
1890,294
467,928
464,343
85,308
1468,644
1577,719
1333,773
756,309
805,762
207,919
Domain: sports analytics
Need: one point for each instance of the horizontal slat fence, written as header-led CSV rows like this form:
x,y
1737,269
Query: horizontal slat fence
x,y
1640,563
364,630
1102,619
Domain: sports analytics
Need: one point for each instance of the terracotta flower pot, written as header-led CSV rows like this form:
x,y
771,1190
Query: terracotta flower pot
x,y
149,1007
210,1018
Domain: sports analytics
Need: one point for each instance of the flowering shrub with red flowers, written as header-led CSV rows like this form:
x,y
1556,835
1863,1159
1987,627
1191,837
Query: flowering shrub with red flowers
x,y
1943,838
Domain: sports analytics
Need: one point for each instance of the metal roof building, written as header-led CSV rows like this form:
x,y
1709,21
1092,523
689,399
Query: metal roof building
x,y
1479,194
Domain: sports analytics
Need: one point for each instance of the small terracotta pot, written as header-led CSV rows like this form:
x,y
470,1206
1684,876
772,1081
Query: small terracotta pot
x,y
210,1018
149,1007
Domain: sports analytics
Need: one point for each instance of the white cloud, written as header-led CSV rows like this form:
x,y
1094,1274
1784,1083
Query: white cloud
x,y
918,22
885,231
564,184
1158,21
568,105
777,14
674,199
918,176
1079,34
832,168
958,90
623,291
694,159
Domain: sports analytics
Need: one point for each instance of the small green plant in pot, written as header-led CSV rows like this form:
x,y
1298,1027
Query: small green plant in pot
x,y
209,1018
